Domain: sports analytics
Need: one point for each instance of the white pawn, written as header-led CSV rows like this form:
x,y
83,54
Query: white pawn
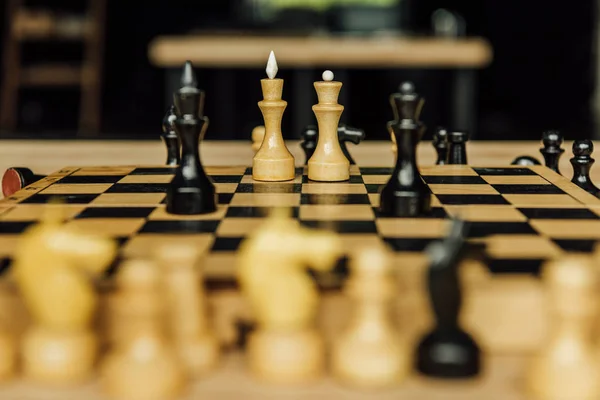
x,y
568,366
371,352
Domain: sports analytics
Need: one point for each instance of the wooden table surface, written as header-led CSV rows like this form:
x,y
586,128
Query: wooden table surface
x,y
378,52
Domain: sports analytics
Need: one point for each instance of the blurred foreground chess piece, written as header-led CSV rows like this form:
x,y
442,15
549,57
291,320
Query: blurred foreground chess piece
x,y
328,162
170,138
552,140
51,267
16,178
371,353
582,163
142,365
567,367
286,347
258,135
273,161
310,136
198,348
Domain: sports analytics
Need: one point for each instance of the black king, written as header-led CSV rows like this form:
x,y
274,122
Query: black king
x,y
405,194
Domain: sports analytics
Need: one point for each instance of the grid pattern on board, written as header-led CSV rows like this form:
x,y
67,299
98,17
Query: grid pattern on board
x,y
523,215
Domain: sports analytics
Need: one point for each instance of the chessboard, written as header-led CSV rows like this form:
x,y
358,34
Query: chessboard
x,y
520,218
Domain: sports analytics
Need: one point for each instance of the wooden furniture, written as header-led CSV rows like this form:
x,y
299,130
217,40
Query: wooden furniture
x,y
33,25
245,50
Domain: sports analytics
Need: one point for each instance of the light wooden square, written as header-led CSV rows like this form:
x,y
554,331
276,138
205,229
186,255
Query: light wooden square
x,y
374,199
248,179
161,214
376,179
462,189
225,170
147,179
104,171
221,265
8,244
447,170
355,242
515,180
543,200
522,246
336,188
128,199
108,226
412,227
226,187
77,188
35,212
345,212
486,213
145,244
265,199
237,227
567,229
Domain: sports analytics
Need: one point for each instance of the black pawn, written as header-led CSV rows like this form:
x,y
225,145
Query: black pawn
x,y
169,137
552,140
447,351
457,150
191,191
440,143
525,161
582,162
310,136
405,194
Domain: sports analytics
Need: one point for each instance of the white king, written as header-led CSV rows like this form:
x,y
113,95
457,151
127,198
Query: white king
x,y
272,66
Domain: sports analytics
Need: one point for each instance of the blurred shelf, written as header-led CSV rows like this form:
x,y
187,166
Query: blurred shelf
x,y
51,75
44,25
377,52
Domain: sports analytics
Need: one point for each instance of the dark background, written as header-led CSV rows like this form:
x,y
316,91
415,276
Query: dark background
x,y
542,76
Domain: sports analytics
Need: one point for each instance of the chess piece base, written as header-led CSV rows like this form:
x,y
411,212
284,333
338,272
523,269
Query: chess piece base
x,y
58,357
448,354
199,354
273,170
328,172
191,201
404,203
286,357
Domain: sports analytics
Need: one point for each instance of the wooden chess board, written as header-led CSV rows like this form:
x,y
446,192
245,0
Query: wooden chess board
x,y
521,217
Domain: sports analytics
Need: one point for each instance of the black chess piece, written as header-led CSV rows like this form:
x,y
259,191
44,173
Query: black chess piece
x,y
169,137
310,136
525,161
582,163
447,351
406,194
552,140
440,143
191,191
457,150
16,178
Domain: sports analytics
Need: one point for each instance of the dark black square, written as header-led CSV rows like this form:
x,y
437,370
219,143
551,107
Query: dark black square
x,y
12,227
275,187
504,171
463,199
408,244
138,188
376,171
577,245
184,226
558,213
154,171
254,212
91,179
436,212
528,189
343,226
226,178
515,266
458,180
115,212
482,229
65,198
224,198
341,198
373,187
226,244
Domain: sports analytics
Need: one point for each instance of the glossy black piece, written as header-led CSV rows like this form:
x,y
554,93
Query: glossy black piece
x,y
525,161
310,136
191,191
170,138
406,194
440,143
457,150
447,351
582,163
552,140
